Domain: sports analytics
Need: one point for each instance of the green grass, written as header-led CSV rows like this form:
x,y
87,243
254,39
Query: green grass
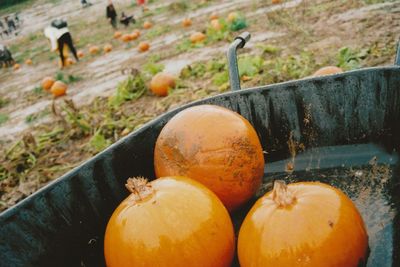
x,y
3,118
130,89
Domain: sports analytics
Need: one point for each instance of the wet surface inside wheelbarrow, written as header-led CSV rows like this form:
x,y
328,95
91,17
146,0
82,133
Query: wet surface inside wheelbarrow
x,y
367,173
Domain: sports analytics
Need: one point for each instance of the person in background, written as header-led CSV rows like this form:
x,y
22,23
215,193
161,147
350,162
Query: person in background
x,y
125,20
10,24
85,3
111,14
60,36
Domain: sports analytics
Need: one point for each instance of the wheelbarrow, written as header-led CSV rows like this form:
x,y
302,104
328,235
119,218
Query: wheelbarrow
x,y
345,129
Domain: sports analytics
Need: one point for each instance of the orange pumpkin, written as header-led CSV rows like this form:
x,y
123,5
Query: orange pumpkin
x,y
214,146
216,25
327,71
47,83
126,38
161,83
171,221
147,25
117,34
80,54
276,1
69,61
213,16
16,66
58,89
107,48
134,35
137,32
233,16
143,46
28,62
303,224
197,37
94,50
186,22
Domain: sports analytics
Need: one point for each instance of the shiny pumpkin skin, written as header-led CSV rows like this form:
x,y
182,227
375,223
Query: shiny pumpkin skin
x,y
58,89
328,71
197,37
321,228
143,47
47,83
181,224
214,146
161,83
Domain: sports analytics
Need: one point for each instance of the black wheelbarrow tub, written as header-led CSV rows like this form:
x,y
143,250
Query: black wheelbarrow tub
x,y
346,122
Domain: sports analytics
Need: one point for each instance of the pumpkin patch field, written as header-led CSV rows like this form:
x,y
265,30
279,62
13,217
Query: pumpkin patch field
x,y
245,202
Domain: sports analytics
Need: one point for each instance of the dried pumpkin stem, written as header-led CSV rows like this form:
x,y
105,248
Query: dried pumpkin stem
x,y
282,195
139,187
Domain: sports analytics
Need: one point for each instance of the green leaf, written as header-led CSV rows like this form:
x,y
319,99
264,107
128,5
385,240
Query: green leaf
x,y
98,141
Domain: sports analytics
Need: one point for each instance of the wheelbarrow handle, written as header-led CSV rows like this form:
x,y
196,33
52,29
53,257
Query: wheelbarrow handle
x,y
397,60
238,43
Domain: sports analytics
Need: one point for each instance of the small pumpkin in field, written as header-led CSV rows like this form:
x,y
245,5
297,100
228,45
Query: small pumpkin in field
x,y
137,32
143,46
171,221
69,61
134,35
28,62
328,71
107,48
126,38
117,34
303,224
215,146
58,89
16,66
47,83
216,25
80,54
197,37
213,16
93,50
232,16
186,22
147,25
161,83
276,1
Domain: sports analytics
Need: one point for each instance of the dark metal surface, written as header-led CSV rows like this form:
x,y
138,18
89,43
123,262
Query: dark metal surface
x,y
238,43
397,60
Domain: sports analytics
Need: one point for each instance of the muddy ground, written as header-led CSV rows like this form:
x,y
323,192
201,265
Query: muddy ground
x,y
291,40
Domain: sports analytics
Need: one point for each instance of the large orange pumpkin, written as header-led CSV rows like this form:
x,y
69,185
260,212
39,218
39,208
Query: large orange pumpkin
x,y
327,71
161,83
94,50
214,146
47,83
58,89
186,22
107,48
303,224
197,37
147,25
117,34
143,46
171,221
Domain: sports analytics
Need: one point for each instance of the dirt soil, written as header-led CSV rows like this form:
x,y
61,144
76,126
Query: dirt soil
x,y
299,35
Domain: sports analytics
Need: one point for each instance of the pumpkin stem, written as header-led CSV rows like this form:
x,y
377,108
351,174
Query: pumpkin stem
x,y
282,195
139,187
